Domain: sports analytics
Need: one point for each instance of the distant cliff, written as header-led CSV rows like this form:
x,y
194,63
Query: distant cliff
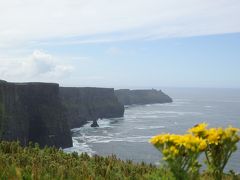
x,y
89,104
151,96
33,112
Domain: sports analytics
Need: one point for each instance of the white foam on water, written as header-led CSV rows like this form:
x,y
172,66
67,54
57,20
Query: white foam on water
x,y
167,116
149,127
105,132
170,104
173,105
75,130
178,113
144,113
80,147
130,116
138,139
85,136
208,106
181,100
159,112
148,105
81,142
103,123
149,116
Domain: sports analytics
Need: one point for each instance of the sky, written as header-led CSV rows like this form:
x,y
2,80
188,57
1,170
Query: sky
x,y
121,44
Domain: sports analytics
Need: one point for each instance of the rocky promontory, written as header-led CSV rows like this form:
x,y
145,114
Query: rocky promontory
x,y
148,96
89,104
33,112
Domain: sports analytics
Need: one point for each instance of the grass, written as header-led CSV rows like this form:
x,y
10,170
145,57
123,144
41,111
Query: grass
x,y
17,162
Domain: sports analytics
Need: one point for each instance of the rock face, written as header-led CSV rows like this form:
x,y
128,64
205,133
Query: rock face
x,y
128,97
33,112
90,104
94,124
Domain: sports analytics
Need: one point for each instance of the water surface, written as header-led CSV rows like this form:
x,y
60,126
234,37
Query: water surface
x,y
128,137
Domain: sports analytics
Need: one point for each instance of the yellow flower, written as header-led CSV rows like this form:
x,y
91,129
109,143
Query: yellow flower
x,y
160,139
202,145
213,136
230,132
153,140
232,129
200,138
198,129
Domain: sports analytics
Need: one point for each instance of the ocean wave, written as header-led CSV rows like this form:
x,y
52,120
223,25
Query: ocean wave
x,y
79,146
179,113
150,127
173,105
138,139
149,116
130,116
159,112
182,100
167,116
82,145
208,106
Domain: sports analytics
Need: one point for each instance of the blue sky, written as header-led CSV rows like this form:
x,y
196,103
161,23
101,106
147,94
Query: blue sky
x,y
137,44
202,61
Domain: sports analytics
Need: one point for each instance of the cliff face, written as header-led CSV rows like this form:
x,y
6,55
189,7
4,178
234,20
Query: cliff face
x,y
89,104
14,124
33,112
128,97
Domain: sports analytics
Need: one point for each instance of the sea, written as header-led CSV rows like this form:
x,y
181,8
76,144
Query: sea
x,y
128,137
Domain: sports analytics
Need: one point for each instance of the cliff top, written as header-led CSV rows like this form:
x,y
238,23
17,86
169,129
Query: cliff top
x,y
86,88
138,90
29,83
2,81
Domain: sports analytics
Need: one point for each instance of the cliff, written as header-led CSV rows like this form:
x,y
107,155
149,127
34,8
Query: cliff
x,y
90,104
151,96
33,112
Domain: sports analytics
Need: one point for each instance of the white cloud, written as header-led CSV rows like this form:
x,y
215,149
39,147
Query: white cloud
x,y
39,66
28,20
39,63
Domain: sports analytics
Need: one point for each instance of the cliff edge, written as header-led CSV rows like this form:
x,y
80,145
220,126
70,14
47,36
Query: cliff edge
x,y
148,96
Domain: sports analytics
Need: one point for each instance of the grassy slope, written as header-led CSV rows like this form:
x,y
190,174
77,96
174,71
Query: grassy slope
x,y
31,162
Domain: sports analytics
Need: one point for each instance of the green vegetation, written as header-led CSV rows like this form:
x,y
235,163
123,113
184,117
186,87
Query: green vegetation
x,y
31,162
17,162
